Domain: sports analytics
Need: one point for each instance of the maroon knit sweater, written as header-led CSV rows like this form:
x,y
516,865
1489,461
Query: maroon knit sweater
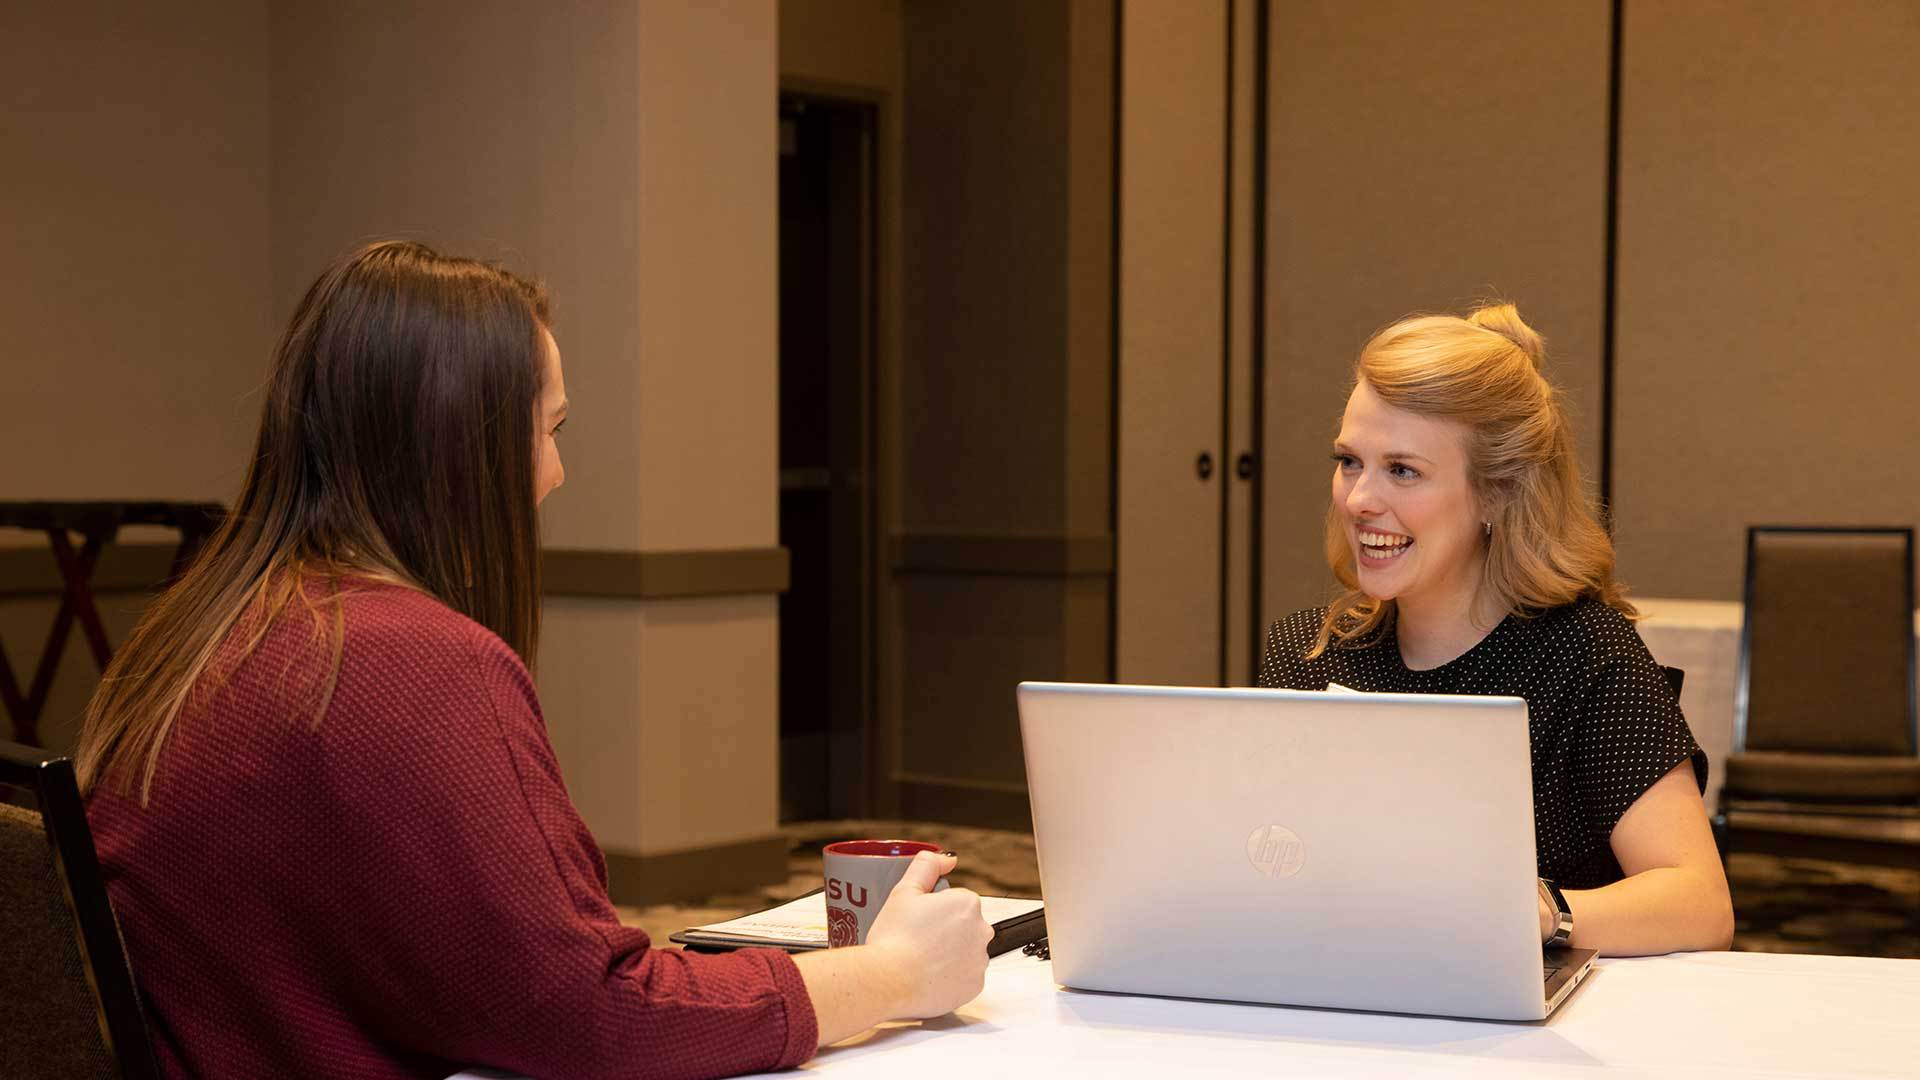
x,y
404,888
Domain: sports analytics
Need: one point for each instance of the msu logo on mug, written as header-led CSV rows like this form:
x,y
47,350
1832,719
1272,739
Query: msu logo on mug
x,y
843,927
1276,851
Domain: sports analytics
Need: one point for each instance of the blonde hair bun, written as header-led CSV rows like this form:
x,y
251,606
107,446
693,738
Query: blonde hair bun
x,y
1504,319
1545,546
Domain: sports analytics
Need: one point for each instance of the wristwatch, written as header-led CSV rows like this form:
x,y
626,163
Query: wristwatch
x,y
1563,924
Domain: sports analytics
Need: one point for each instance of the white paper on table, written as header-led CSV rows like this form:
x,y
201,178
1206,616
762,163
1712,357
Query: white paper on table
x,y
804,921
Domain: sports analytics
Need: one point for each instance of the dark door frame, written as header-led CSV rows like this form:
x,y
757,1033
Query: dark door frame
x,y
857,746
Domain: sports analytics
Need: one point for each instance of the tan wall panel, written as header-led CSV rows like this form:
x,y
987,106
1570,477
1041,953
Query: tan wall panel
x,y
404,122
1088,455
1242,638
1767,280
710,697
1004,387
663,713
591,684
626,154
981,394
133,241
708,410
1173,274
1421,156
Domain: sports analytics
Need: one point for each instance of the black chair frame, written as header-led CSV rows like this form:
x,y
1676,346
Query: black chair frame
x,y
123,1022
1746,623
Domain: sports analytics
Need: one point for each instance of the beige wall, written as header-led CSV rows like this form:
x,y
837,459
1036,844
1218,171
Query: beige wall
x,y
1768,277
405,122
617,154
172,181
709,196
133,243
133,239
624,154
1173,277
1765,261
1422,156
1240,608
175,180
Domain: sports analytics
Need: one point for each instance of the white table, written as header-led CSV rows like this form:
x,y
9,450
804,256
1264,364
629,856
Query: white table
x,y
1714,1015
1702,637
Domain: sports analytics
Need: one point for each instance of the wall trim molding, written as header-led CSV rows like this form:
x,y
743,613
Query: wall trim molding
x,y
635,880
994,555
30,572
665,575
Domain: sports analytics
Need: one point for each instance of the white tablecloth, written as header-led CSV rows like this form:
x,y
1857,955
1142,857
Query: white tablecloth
x,y
1703,638
1717,1015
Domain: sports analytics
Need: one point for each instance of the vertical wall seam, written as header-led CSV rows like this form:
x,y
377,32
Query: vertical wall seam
x,y
1113,340
1257,330
1609,314
1225,466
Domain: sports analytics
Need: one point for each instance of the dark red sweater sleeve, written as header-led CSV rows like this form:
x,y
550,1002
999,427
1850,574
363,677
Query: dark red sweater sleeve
x,y
472,913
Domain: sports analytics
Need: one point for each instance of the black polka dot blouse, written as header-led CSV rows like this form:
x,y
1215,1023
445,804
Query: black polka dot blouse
x,y
1604,722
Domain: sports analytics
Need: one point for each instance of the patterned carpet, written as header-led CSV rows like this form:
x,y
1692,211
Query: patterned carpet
x,y
1781,905
1816,906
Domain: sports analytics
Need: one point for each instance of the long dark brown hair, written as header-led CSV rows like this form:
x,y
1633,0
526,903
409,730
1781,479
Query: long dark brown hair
x,y
396,444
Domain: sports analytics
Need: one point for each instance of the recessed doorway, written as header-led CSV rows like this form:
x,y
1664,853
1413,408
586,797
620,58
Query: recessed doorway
x,y
827,321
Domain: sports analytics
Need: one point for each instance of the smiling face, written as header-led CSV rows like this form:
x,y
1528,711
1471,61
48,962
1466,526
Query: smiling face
x,y
1400,487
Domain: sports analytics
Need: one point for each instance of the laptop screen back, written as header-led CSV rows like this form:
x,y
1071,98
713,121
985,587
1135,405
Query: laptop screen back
x,y
1362,851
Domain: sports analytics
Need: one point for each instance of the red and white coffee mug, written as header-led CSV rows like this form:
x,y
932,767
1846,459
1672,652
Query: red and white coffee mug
x,y
860,874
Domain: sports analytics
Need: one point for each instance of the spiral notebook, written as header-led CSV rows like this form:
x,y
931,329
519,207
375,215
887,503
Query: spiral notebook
x,y
800,925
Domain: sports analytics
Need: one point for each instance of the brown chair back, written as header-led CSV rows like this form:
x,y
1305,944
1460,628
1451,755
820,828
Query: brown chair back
x,y
68,1007
1827,649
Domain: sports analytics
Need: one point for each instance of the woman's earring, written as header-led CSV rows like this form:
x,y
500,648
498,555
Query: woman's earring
x,y
1489,526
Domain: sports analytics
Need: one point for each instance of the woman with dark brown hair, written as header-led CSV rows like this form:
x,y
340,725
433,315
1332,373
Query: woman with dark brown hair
x,y
318,777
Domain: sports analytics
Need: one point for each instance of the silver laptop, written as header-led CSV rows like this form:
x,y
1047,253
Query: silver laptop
x,y
1348,851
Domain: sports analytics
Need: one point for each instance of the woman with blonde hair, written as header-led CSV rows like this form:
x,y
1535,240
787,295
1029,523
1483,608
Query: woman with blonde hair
x,y
1472,563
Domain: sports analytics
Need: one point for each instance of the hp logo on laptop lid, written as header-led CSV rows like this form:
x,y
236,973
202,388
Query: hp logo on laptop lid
x,y
1276,851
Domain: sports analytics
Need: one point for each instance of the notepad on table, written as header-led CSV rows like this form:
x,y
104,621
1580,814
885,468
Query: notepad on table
x,y
801,924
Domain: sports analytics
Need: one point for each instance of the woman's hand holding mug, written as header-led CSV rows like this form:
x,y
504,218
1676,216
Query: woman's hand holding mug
x,y
936,940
